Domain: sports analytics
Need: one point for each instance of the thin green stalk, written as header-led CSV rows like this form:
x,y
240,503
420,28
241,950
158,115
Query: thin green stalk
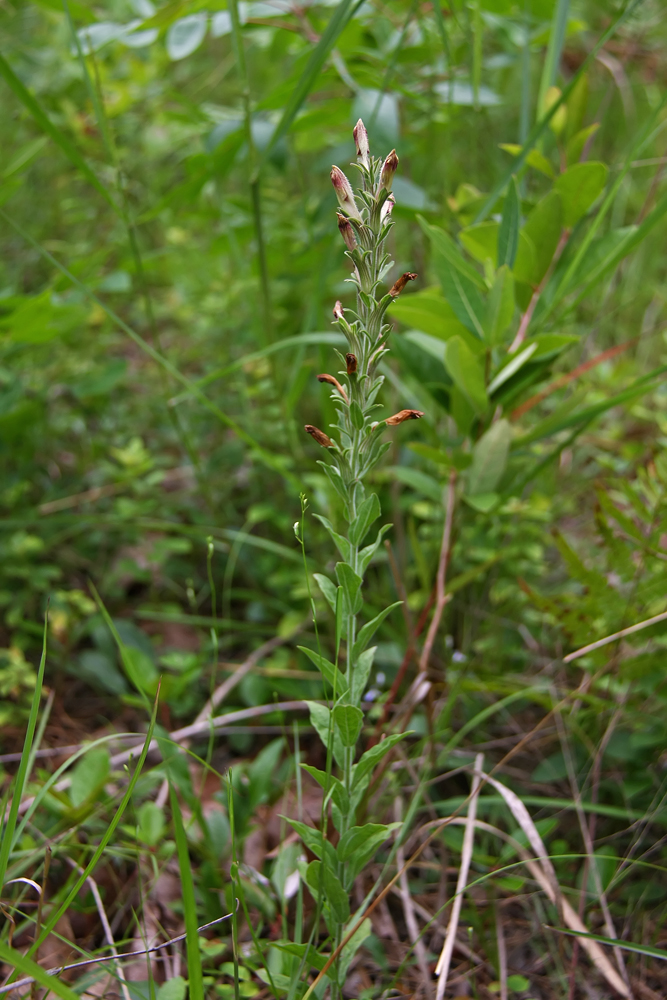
x,y
233,872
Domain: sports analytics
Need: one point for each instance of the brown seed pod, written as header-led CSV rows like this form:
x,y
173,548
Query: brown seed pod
x,y
399,285
335,383
402,415
351,362
319,436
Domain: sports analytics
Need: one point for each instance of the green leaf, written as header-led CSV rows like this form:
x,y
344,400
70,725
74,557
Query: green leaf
x,y
371,758
356,416
59,137
328,588
543,227
351,584
362,932
360,674
174,989
429,311
320,720
575,146
419,481
369,511
330,673
315,842
534,158
336,895
499,306
195,978
489,458
579,186
481,242
140,669
467,373
450,253
463,297
151,823
89,776
508,233
339,541
367,632
348,719
513,365
52,984
359,844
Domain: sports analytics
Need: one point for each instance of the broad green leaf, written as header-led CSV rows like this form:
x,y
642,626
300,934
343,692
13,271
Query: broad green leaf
x,y
348,719
462,295
320,720
369,551
151,823
186,35
575,146
339,541
336,895
543,227
489,458
89,776
362,932
534,158
451,254
499,306
416,358
371,758
315,842
513,365
356,416
360,673
328,588
140,669
360,839
579,186
419,481
369,511
468,374
330,673
508,232
367,631
549,345
427,310
351,584
481,242
174,989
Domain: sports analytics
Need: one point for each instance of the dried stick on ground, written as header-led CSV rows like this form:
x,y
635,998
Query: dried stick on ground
x,y
442,968
408,908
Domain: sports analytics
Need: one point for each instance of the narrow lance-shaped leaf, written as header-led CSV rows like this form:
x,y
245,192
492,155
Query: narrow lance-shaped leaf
x,y
508,234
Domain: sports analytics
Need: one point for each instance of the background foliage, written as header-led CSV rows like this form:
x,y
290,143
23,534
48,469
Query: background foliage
x,y
170,262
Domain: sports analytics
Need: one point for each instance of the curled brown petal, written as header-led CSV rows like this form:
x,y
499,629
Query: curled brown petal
x,y
399,285
351,362
402,415
335,383
319,436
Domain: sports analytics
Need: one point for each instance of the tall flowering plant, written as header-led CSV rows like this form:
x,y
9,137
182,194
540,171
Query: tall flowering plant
x,y
356,445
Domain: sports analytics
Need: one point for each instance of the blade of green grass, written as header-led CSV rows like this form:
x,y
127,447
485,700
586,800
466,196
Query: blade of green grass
x,y
554,50
541,126
58,136
106,838
343,13
22,774
272,462
29,968
642,949
195,977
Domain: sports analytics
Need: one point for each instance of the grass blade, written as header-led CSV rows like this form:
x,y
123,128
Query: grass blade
x,y
195,977
22,775
29,968
345,10
641,949
45,123
554,50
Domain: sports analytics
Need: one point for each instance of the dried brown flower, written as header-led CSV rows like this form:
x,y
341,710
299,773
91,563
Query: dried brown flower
x,y
338,310
319,436
402,415
335,383
346,231
351,362
399,285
